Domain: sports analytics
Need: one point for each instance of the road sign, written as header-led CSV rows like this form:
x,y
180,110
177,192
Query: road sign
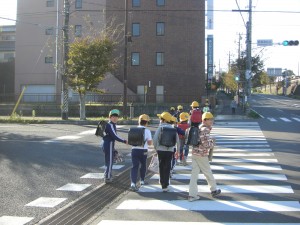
x,y
265,42
274,71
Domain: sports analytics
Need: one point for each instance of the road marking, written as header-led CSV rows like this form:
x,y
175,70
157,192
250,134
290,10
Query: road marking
x,y
238,154
218,160
285,119
209,205
93,176
73,187
297,119
272,119
218,148
14,220
225,188
239,141
232,146
114,167
186,176
235,167
46,202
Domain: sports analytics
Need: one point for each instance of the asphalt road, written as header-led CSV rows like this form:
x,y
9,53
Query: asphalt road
x,y
37,161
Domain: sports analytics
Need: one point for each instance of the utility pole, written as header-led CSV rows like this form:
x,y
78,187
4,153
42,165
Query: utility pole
x,y
125,60
65,94
249,49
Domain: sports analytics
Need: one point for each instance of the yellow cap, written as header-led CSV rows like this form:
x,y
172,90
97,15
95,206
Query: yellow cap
x,y
179,107
173,119
207,115
195,104
144,117
184,116
166,116
172,108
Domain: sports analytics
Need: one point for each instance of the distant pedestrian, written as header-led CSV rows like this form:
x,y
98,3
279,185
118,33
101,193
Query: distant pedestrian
x,y
139,154
233,106
183,148
200,161
109,143
179,110
206,108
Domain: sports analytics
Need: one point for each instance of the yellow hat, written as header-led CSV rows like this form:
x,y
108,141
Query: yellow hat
x,y
195,104
207,115
184,116
172,108
166,116
179,107
173,119
144,117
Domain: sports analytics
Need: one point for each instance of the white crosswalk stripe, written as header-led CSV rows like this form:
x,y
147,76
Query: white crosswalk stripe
x,y
247,173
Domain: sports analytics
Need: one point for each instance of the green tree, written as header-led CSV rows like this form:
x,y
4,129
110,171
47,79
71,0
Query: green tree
x,y
229,81
89,60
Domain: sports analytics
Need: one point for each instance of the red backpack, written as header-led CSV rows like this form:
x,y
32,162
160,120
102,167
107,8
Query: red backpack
x,y
196,116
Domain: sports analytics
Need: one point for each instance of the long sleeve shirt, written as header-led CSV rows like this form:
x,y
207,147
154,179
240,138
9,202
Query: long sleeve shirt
x,y
111,133
207,142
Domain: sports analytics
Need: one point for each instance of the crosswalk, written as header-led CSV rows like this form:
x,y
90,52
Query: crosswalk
x,y
283,119
255,191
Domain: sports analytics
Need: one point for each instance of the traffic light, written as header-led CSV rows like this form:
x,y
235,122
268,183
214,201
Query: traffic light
x,y
237,77
290,43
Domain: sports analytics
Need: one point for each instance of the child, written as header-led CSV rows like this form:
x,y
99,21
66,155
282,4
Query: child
x,y
139,154
184,117
195,114
164,153
200,160
109,143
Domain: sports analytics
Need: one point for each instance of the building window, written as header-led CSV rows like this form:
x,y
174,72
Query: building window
x,y
135,58
159,58
136,3
160,29
49,31
135,29
160,2
48,59
50,3
9,56
78,30
78,4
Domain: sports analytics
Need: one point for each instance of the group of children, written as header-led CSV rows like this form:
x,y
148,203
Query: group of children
x,y
171,139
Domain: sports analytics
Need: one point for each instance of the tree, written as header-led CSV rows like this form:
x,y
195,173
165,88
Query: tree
x,y
229,81
89,60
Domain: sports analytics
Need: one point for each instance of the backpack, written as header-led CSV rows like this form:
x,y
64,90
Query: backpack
x,y
193,136
168,136
136,136
196,116
100,130
183,126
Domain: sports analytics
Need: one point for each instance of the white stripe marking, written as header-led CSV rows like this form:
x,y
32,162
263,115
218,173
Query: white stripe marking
x,y
114,167
235,167
219,148
285,119
46,202
93,176
14,220
73,187
297,119
225,188
237,154
272,119
239,141
243,145
241,160
208,205
230,176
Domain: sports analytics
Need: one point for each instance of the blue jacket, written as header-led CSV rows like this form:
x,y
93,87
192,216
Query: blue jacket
x,y
111,133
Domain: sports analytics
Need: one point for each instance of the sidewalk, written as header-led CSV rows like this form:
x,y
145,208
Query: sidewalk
x,y
223,110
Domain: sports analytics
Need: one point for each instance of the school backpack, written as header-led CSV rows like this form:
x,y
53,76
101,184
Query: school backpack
x,y
136,136
167,136
100,130
183,126
196,116
192,136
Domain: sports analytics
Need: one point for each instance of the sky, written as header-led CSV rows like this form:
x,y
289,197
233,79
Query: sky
x,y
278,20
